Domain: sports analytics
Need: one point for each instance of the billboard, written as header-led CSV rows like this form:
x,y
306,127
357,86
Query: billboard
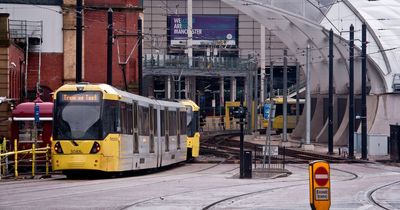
x,y
207,30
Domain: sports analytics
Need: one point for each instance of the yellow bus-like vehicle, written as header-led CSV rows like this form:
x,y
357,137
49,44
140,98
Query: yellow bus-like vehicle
x,y
97,127
277,124
193,134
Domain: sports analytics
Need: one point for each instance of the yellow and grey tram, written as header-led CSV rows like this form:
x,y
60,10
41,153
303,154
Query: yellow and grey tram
x,y
99,127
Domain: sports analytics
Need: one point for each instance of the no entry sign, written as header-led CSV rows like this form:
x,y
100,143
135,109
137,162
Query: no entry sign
x,y
321,176
320,185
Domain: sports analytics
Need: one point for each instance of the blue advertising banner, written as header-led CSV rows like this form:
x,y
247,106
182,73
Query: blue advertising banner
x,y
207,29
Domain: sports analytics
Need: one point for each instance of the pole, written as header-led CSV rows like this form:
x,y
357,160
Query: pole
x,y
79,12
285,93
262,65
241,138
364,151
15,158
330,115
256,102
308,97
109,45
297,92
140,55
1,148
189,31
33,160
47,160
351,93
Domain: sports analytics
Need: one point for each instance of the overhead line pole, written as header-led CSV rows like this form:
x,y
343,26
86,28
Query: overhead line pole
x,y
109,45
364,151
330,120
285,93
140,55
351,93
79,11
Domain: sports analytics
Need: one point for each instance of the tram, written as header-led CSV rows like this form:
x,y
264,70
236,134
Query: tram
x,y
193,134
98,127
291,113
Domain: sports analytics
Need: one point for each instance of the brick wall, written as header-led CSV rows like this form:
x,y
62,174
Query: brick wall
x,y
95,40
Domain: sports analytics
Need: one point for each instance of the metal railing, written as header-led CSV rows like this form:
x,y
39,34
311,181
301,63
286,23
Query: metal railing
x,y
275,161
202,62
290,90
21,29
34,152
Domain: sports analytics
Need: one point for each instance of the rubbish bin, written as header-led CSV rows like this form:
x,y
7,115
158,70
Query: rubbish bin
x,y
395,143
247,164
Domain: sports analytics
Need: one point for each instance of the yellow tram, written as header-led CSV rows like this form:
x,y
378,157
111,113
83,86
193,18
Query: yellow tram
x,y
193,134
291,113
97,127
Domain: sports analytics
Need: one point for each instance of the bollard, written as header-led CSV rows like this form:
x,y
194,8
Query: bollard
x,y
15,158
33,160
47,159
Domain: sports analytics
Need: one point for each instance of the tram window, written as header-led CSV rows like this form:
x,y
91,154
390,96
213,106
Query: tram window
x,y
183,124
144,121
162,122
111,118
123,119
172,123
155,121
129,119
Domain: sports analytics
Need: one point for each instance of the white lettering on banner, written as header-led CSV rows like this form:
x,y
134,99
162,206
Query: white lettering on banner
x,y
179,30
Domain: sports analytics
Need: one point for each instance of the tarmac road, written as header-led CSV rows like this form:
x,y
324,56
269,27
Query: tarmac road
x,y
208,186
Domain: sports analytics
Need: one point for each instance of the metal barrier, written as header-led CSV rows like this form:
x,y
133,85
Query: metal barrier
x,y
34,152
274,161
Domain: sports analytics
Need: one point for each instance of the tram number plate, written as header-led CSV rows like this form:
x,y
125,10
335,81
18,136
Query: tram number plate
x,y
321,194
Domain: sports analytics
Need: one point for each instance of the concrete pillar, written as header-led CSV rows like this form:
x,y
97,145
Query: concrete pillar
x,y
233,89
190,88
169,88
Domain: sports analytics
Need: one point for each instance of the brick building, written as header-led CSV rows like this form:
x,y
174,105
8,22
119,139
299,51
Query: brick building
x,y
38,41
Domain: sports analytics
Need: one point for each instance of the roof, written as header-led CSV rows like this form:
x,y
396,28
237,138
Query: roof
x,y
27,109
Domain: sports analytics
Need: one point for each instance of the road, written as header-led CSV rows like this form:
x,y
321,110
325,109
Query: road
x,y
207,186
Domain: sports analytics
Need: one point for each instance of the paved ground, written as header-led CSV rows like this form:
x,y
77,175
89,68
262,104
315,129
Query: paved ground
x,y
207,186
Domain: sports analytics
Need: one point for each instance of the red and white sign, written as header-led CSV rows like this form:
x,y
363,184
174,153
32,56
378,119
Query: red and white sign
x,y
321,176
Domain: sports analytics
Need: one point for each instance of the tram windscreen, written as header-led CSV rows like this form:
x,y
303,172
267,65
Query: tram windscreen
x,y
192,123
77,116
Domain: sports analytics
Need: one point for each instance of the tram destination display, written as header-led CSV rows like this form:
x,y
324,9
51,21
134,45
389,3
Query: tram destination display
x,y
87,97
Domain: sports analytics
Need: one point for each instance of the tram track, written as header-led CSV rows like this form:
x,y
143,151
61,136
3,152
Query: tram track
x,y
370,195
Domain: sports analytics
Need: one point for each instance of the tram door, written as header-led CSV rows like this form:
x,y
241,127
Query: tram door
x,y
152,128
135,128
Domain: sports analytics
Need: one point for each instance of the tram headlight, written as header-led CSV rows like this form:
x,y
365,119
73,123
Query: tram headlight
x,y
95,148
57,148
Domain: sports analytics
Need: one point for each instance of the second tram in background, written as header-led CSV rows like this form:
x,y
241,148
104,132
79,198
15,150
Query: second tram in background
x,y
277,124
100,128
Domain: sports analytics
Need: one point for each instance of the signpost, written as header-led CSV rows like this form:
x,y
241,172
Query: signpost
x,y
320,185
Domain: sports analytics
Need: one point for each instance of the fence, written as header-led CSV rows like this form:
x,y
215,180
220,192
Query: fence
x,y
35,155
274,157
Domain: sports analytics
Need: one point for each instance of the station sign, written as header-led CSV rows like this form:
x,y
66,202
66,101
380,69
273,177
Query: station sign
x,y
267,108
320,192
